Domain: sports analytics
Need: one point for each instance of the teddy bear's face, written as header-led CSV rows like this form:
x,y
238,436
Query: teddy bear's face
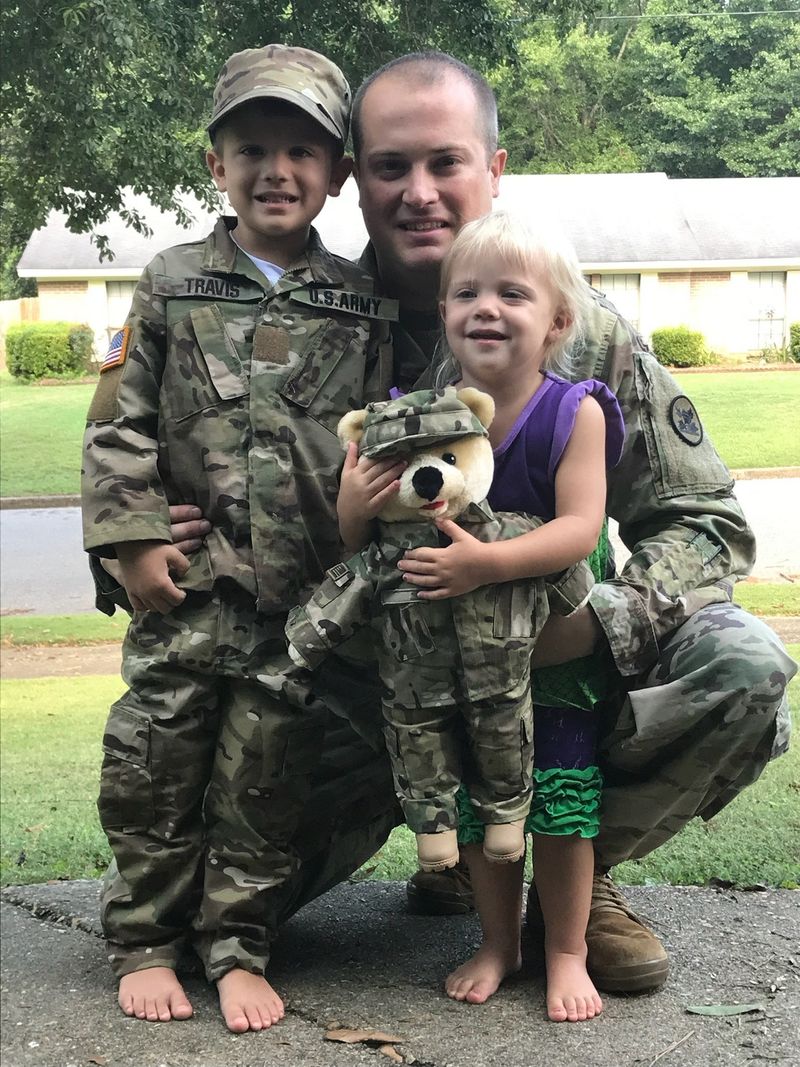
x,y
441,481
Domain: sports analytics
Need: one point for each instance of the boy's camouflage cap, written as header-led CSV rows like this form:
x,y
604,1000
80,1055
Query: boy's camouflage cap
x,y
297,75
425,417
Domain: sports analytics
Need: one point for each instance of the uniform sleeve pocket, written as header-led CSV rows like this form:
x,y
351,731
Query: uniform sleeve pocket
x,y
681,457
126,789
520,609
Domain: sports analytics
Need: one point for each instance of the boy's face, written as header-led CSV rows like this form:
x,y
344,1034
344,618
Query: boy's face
x,y
277,166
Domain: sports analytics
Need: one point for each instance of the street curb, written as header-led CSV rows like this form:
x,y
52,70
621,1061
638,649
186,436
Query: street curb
x,y
9,502
19,502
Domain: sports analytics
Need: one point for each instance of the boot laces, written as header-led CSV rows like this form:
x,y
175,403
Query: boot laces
x,y
608,897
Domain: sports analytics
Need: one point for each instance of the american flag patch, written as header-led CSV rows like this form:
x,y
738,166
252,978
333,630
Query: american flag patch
x,y
117,350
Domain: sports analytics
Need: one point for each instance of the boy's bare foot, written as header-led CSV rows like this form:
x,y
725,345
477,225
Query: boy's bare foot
x,y
248,1001
571,995
154,994
476,980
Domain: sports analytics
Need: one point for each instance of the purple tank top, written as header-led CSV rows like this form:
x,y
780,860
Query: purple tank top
x,y
527,460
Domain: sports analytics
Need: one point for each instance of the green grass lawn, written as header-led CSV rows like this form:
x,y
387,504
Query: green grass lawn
x,y
751,417
41,429
16,631
51,731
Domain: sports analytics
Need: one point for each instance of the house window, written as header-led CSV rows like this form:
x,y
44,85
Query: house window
x,y
767,298
623,291
118,303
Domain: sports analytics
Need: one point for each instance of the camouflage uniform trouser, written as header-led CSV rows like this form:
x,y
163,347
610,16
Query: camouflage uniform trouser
x,y
698,727
208,724
487,744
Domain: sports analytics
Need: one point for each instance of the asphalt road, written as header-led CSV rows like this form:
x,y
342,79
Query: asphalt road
x,y
44,569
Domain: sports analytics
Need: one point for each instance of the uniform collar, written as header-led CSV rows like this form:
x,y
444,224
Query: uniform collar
x,y
223,256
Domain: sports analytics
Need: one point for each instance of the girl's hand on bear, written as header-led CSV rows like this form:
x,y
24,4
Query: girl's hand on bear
x,y
444,572
366,485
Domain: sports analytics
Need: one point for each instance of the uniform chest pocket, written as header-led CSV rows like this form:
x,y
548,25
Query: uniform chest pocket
x,y
329,377
682,458
204,368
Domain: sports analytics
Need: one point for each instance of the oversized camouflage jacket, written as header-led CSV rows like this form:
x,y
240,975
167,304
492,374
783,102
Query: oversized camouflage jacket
x,y
431,652
670,493
228,396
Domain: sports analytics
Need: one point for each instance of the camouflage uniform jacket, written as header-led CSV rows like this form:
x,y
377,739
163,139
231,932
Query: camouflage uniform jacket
x,y
228,398
670,493
484,638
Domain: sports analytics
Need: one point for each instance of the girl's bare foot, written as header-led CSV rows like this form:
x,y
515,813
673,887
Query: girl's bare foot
x,y
571,995
248,1001
476,980
154,994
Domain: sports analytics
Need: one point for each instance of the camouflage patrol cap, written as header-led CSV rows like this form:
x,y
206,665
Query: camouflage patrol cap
x,y
425,417
282,72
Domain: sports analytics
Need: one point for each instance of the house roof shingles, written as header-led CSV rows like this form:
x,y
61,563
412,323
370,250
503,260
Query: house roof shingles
x,y
612,219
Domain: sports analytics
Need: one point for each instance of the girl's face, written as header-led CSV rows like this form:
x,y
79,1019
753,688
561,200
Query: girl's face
x,y
500,321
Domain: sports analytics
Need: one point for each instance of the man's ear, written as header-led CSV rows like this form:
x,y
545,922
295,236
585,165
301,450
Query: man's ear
x,y
340,172
480,404
217,169
351,427
496,168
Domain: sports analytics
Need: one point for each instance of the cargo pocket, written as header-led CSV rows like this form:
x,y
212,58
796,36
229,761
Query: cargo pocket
x,y
519,609
126,787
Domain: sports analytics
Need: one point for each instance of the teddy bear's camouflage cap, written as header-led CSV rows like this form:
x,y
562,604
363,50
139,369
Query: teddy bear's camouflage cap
x,y
297,75
425,417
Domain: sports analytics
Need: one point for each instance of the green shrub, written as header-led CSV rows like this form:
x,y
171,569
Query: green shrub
x,y
794,342
48,350
678,346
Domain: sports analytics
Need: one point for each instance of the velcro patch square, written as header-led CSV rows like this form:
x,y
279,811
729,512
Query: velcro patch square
x,y
117,349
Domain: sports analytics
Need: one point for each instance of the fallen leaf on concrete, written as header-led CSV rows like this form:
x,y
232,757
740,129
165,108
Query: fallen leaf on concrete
x,y
101,1061
367,1037
723,1009
34,829
391,1052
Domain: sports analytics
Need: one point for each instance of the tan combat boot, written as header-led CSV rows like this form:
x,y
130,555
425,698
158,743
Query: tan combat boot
x,y
446,892
504,842
623,955
437,852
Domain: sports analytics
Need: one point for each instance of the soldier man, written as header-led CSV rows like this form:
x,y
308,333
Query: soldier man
x,y
700,702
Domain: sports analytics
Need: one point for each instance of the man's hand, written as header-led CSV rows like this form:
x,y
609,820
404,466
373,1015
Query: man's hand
x,y
444,572
566,638
365,487
187,527
147,569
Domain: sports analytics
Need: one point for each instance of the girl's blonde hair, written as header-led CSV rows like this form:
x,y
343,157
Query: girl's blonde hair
x,y
529,247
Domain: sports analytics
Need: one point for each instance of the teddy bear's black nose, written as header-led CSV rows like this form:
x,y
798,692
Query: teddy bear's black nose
x,y
427,482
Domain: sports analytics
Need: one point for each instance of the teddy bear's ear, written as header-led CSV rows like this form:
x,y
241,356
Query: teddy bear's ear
x,y
480,404
351,427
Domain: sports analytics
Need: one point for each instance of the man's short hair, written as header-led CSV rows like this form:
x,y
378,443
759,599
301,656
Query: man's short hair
x,y
429,68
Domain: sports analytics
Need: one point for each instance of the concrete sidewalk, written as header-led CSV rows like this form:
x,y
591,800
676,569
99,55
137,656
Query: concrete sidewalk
x,y
356,959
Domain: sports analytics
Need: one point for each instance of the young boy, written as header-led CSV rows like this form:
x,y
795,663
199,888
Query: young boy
x,y
224,388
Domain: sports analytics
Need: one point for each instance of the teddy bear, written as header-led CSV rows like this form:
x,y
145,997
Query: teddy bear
x,y
455,672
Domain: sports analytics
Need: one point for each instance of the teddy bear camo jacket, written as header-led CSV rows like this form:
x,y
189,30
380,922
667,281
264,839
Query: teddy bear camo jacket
x,y
223,392
430,652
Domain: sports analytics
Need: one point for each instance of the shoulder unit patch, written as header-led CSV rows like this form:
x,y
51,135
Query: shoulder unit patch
x,y
685,421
